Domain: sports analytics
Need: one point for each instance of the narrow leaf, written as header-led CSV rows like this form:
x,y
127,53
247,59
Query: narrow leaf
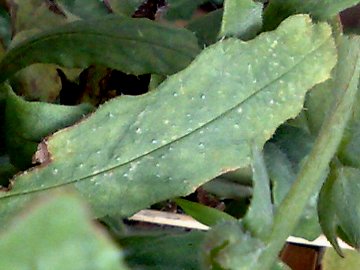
x,y
278,10
134,46
27,123
204,214
242,18
181,9
57,233
259,217
133,145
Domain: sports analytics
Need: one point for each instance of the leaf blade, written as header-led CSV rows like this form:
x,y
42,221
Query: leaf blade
x,y
139,158
135,46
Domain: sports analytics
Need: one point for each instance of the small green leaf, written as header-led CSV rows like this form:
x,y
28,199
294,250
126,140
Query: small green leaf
x,y
85,9
242,18
163,251
285,154
204,214
181,9
339,206
133,145
228,246
278,10
27,123
135,46
59,234
33,14
207,27
124,7
258,219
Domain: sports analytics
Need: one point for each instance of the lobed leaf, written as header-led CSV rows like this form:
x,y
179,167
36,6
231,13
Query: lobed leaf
x,y
44,239
203,120
135,46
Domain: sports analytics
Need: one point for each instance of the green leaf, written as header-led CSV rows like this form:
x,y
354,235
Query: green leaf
x,y
285,154
204,214
278,10
163,251
134,46
59,234
34,14
133,145
181,9
207,27
311,174
228,246
84,8
339,207
124,7
242,18
258,219
27,123
332,261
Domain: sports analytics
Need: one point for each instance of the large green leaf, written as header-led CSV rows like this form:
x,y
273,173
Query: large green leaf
x,y
203,120
242,18
320,9
57,233
134,46
163,251
27,123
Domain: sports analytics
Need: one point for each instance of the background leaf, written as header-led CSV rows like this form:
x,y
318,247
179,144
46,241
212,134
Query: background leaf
x,y
278,10
55,242
285,154
135,46
204,214
258,219
176,251
27,123
85,9
125,156
207,27
181,9
242,18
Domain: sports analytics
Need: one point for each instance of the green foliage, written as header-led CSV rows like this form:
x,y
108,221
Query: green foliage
x,y
159,49
160,251
44,239
27,123
138,156
245,24
204,214
219,96
278,10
